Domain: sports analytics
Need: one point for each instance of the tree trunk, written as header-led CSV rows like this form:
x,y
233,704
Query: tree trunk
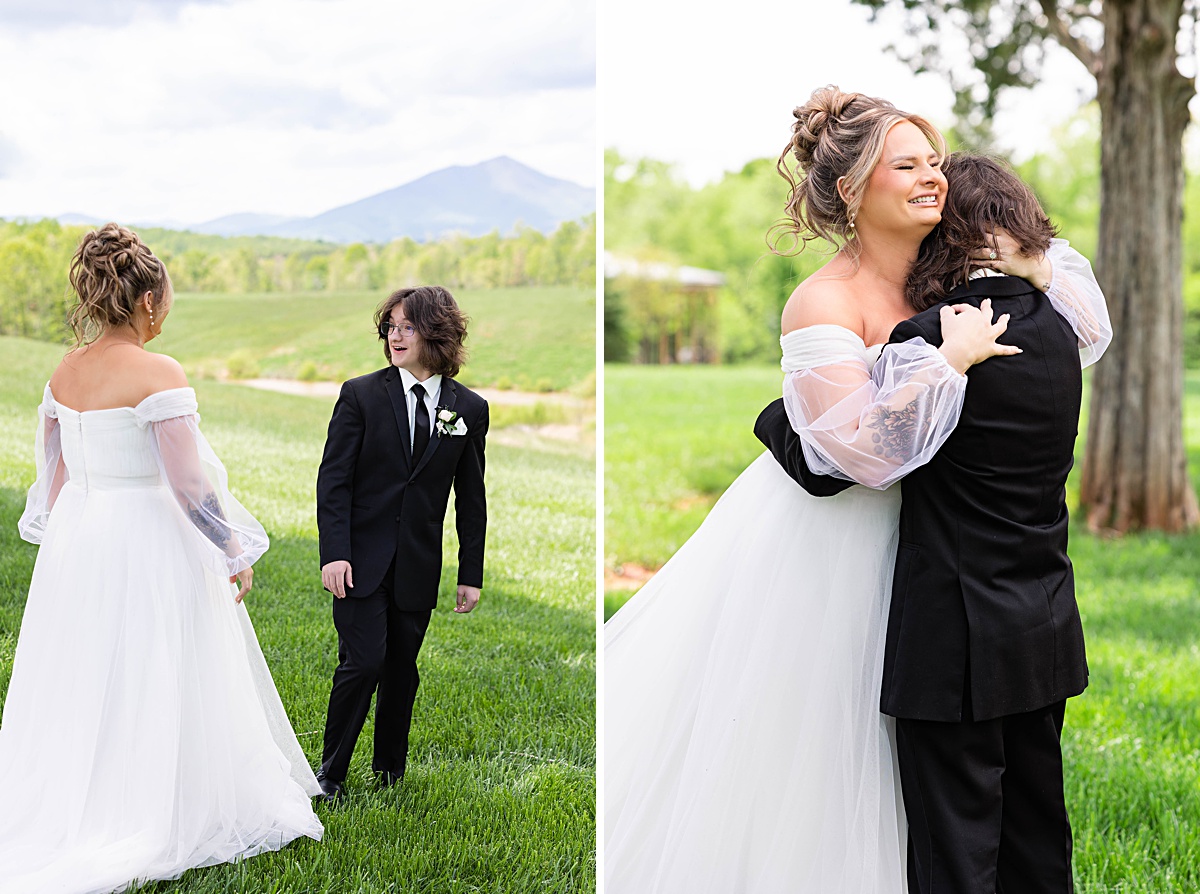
x,y
1135,465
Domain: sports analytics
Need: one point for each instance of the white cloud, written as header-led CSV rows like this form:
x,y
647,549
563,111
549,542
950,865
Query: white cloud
x,y
286,106
710,93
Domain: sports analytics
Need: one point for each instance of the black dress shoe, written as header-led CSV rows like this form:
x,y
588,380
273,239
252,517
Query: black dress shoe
x,y
331,792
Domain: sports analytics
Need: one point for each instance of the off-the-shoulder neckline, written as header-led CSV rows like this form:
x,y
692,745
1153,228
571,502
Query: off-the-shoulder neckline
x,y
858,338
135,408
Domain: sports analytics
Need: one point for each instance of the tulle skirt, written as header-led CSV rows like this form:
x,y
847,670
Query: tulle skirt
x,y
744,750
142,734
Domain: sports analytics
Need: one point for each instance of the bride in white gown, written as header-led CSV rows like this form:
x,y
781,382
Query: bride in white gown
x,y
744,750
142,733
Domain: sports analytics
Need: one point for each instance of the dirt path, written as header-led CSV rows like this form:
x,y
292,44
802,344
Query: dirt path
x,y
491,395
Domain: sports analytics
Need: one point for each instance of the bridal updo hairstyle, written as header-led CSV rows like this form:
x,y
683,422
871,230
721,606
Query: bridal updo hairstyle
x,y
434,313
983,194
111,270
836,135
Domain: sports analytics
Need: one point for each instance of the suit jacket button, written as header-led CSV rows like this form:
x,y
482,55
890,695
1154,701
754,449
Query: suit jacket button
x,y
411,480
397,518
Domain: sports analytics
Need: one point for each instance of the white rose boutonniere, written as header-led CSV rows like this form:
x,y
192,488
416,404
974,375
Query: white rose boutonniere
x,y
448,422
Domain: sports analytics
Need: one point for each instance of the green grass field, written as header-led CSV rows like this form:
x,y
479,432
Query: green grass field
x,y
539,339
674,439
500,793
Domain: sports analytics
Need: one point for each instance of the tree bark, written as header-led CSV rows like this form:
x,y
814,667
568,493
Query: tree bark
x,y
1135,463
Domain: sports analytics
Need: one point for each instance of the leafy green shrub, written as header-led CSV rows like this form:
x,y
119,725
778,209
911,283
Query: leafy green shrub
x,y
242,365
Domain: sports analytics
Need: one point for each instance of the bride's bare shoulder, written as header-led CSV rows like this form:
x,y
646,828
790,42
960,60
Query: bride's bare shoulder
x,y
98,376
166,370
825,298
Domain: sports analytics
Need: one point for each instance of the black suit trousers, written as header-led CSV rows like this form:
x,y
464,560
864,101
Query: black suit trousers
x,y
985,805
377,654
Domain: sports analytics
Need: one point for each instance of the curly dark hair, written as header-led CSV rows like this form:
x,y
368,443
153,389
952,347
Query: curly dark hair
x,y
983,194
434,313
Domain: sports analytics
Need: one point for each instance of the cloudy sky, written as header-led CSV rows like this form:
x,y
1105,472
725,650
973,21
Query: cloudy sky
x,y
187,110
709,93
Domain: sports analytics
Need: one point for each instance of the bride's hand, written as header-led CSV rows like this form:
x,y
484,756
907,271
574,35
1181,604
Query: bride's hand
x,y
1002,253
243,578
969,335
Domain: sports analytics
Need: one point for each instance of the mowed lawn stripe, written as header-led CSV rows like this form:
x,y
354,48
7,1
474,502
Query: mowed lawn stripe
x,y
530,338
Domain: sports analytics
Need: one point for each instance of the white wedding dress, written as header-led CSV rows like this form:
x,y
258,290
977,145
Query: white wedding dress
x,y
142,733
744,751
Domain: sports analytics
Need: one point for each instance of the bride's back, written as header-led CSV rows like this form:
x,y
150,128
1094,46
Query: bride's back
x,y
124,296
109,373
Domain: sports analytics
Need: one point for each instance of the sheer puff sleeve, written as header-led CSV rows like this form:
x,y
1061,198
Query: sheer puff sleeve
x,y
51,472
870,426
230,536
1076,295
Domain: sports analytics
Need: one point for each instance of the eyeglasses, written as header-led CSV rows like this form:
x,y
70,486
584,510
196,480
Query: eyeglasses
x,y
406,330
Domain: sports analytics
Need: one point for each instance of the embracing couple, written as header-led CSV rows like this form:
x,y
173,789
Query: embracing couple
x,y
142,732
833,688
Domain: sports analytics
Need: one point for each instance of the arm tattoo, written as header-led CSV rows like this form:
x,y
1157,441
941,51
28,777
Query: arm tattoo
x,y
893,431
210,521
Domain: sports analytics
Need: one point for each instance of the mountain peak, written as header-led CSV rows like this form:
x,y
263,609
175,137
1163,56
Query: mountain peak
x,y
496,194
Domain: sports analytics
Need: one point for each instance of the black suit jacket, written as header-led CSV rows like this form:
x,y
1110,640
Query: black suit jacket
x,y
983,599
375,502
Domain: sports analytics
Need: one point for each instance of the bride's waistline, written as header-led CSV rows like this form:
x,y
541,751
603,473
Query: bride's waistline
x,y
93,483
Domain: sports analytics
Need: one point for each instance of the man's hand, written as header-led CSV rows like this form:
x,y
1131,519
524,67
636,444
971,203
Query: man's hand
x,y
338,577
1002,253
468,598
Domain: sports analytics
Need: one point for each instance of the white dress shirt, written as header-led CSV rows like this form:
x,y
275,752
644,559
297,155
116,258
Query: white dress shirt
x,y
433,390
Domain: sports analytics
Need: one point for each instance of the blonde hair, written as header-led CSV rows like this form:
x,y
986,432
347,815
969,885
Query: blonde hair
x,y
112,268
836,136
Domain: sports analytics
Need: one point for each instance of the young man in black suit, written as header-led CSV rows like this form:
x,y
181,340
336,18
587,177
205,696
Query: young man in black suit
x,y
398,440
984,641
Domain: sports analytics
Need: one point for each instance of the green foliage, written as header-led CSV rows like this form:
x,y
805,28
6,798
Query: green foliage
x,y
242,365
532,337
650,214
35,257
722,226
617,338
1066,178
1004,40
500,792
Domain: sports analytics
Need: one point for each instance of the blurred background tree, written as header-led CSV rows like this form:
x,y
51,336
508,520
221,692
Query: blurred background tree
x,y
35,258
1135,464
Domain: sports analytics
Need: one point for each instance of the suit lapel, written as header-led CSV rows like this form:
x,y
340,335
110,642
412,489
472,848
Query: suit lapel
x,y
447,399
395,390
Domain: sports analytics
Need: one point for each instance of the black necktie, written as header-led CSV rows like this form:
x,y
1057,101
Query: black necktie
x,y
421,425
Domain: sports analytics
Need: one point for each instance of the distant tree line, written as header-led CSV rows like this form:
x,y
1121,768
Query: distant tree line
x,y
35,258
652,214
